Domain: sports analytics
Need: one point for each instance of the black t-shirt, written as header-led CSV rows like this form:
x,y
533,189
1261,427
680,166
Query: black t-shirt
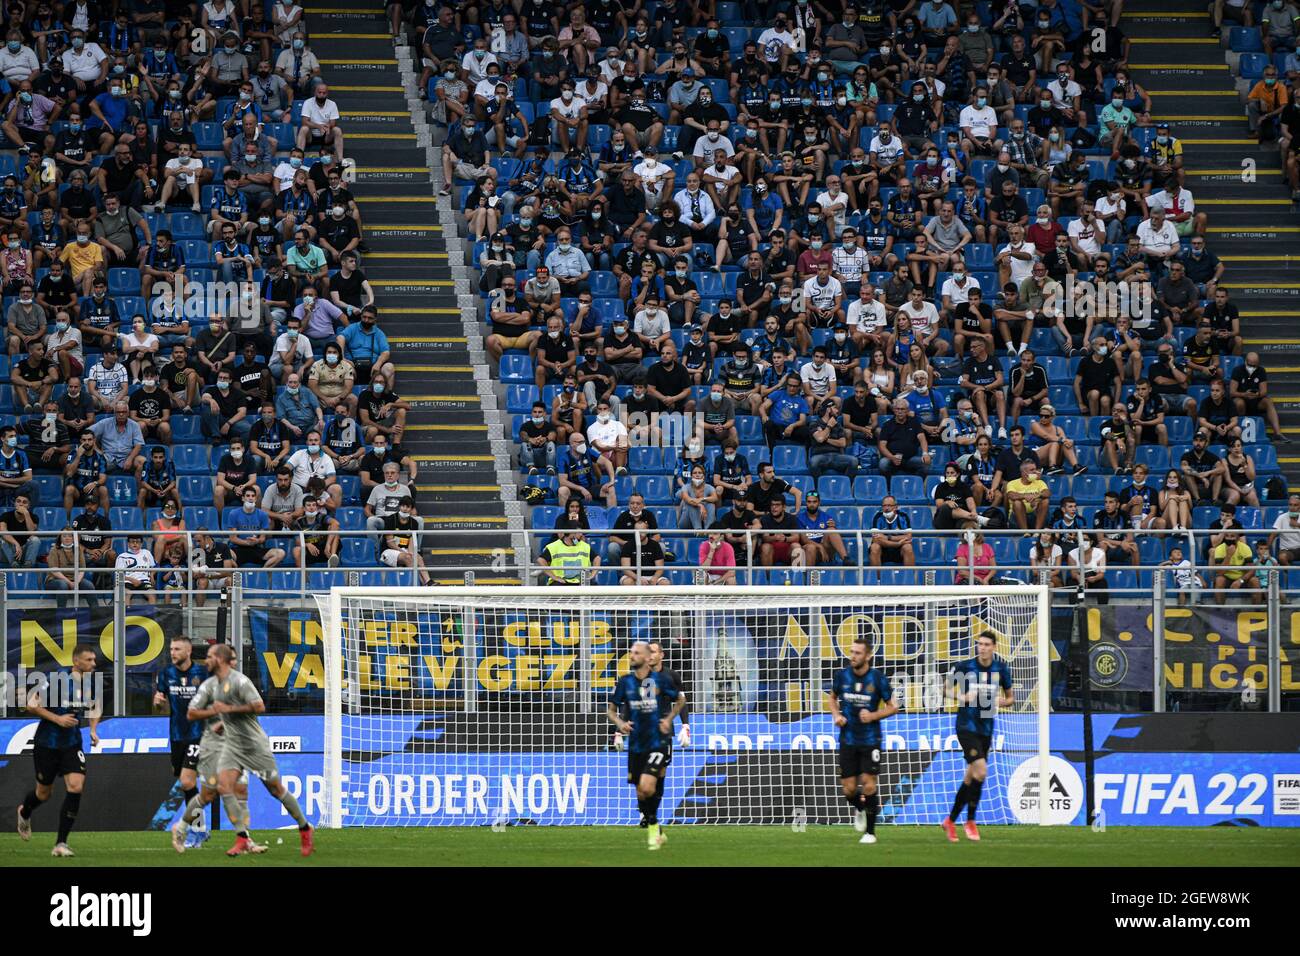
x,y
760,498
1162,379
557,350
787,522
956,494
372,403
1035,380
228,402
217,554
149,405
348,287
645,406
670,235
668,382
57,290
641,117
236,473
1206,461
1096,375
1216,414
88,524
373,465
981,373
1009,461
1008,210
902,438
651,551
1248,381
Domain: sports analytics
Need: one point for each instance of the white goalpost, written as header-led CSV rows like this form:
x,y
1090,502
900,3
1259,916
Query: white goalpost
x,y
487,705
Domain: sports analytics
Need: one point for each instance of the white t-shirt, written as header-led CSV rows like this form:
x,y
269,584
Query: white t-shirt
x,y
305,467
608,433
1107,208
83,65
186,169
487,88
822,296
283,176
886,153
1289,539
866,316
1180,203
1053,559
1021,269
770,43
1063,97
837,206
569,110
653,180
982,122
594,96
301,345
475,68
726,173
141,559
706,148
1094,563
1086,235
318,113
1185,574
819,380
923,319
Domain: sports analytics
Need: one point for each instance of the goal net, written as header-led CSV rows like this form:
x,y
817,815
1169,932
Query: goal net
x,y
487,705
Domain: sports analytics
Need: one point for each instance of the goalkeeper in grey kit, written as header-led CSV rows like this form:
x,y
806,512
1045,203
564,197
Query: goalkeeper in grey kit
x,y
241,745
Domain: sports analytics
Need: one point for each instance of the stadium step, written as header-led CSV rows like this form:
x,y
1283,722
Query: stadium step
x,y
1253,226
407,263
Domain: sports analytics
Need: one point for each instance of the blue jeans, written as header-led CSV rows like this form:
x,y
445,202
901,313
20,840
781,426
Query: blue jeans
x,y
210,422
31,551
837,462
531,457
276,366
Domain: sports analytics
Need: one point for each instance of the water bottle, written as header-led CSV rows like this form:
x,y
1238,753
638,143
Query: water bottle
x,y
799,823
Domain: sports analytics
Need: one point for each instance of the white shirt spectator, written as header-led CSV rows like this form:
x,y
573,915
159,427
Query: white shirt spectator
x,y
109,382
589,96
772,41
607,433
957,293
819,380
692,203
1107,208
1289,535
849,264
83,64
305,467
1185,574
866,316
982,122
1021,269
320,113
706,147
651,326
836,205
1093,563
1063,96
886,153
1161,241
475,68
487,88
822,296
1172,203
300,345
186,170
142,560
283,176
726,173
16,67
570,110
54,339
307,64
923,319
652,179
1087,235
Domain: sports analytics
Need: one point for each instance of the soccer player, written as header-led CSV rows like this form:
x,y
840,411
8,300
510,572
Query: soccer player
x,y
650,702
233,698
61,706
177,685
657,665
980,686
861,697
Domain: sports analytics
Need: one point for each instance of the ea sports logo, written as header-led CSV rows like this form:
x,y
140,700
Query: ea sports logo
x,y
1107,664
1063,792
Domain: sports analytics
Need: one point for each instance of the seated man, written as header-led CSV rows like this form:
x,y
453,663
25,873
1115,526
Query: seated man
x,y
320,538
780,542
1028,497
820,540
585,472
248,527
902,443
891,536
647,566
1232,560
48,439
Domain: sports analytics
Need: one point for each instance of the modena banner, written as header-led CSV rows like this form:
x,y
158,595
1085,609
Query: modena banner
x,y
1207,649
129,777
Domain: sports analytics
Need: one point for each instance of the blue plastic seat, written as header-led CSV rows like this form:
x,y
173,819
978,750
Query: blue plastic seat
x,y
191,459
516,369
195,489
908,490
123,281
869,489
789,460
834,489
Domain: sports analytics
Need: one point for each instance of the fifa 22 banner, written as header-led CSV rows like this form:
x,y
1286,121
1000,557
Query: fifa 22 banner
x,y
1207,649
42,638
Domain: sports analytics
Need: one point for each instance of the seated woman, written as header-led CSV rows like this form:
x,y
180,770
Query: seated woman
x,y
975,560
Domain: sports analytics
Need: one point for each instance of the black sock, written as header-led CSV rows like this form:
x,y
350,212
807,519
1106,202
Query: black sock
x,y
190,794
642,805
873,809
972,801
959,801
652,809
68,815
30,803
854,800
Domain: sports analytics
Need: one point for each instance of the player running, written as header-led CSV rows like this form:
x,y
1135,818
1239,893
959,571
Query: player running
x,y
650,702
233,698
861,697
177,685
980,686
61,705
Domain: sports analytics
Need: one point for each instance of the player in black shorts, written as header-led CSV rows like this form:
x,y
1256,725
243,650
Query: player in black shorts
x,y
177,684
643,708
861,697
62,703
980,686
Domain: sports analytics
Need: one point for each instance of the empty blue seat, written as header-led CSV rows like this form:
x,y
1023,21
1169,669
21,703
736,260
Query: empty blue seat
x,y
789,460
645,460
516,368
201,516
195,489
908,490
656,489
749,429
126,518
123,281
186,428
207,136
358,552
49,491
191,459
834,489
869,489
187,225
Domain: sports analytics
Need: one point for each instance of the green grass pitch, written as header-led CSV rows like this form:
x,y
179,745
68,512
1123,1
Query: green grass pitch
x,y
689,846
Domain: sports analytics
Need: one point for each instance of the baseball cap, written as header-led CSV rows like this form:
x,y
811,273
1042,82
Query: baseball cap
x,y
688,72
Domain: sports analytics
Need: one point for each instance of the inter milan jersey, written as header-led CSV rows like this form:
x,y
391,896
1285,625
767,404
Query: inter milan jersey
x,y
976,717
644,701
67,693
179,687
856,693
